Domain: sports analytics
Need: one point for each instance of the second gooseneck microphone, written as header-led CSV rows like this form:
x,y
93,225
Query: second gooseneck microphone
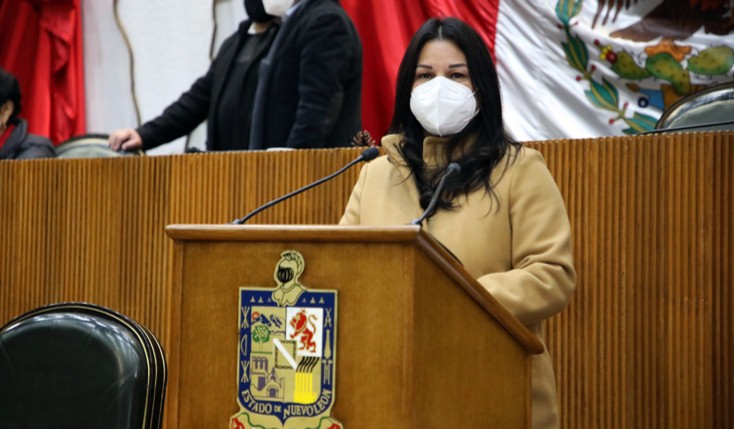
x,y
453,168
367,155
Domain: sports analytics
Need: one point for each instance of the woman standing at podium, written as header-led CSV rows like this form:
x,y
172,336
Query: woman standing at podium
x,y
501,214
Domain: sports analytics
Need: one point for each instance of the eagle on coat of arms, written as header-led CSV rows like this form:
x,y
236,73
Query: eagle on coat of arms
x,y
669,64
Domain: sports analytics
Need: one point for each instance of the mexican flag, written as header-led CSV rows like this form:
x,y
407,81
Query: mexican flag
x,y
568,68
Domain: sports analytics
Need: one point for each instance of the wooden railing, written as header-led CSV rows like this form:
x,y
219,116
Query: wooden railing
x,y
645,343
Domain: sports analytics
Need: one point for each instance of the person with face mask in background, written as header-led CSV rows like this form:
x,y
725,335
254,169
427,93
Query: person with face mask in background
x,y
501,214
223,96
15,141
310,89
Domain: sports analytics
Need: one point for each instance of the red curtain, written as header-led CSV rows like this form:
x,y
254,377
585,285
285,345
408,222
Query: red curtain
x,y
41,44
386,27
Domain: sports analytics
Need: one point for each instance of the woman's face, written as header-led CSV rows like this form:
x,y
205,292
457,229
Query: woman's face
x,y
442,58
6,109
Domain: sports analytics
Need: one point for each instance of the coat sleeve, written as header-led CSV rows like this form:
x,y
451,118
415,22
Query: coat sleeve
x,y
542,277
181,117
185,114
36,147
327,61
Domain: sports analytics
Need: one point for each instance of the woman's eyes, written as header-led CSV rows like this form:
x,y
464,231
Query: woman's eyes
x,y
427,76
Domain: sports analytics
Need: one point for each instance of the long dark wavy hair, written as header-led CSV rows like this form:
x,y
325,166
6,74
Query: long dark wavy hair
x,y
491,143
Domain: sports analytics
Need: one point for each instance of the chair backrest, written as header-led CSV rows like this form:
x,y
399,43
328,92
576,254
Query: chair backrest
x,y
709,109
79,365
89,146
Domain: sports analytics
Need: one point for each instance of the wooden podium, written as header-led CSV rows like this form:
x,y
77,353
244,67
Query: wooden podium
x,y
420,343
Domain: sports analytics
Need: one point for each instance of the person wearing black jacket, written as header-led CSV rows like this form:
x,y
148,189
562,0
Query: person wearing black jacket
x,y
15,141
223,96
310,88
301,86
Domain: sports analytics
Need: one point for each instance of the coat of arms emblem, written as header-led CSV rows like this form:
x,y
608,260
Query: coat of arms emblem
x,y
287,353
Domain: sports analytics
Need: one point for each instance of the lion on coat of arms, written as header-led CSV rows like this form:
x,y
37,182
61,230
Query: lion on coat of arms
x,y
300,324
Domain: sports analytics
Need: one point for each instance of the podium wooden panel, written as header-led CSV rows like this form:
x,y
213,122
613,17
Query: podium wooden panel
x,y
420,343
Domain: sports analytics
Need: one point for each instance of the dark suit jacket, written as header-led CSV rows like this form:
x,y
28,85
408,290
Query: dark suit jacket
x,y
310,88
200,101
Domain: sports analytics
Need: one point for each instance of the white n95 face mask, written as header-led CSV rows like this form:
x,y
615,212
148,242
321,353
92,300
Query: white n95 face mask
x,y
277,7
443,107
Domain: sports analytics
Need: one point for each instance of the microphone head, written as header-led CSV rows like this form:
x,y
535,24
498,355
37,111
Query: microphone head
x,y
370,153
453,168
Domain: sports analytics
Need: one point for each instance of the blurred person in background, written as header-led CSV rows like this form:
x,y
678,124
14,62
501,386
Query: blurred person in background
x,y
15,141
289,77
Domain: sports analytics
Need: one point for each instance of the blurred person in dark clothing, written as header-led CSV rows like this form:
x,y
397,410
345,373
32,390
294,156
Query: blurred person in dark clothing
x,y
15,141
289,77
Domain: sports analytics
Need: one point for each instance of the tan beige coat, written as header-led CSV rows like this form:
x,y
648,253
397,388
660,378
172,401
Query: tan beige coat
x,y
518,245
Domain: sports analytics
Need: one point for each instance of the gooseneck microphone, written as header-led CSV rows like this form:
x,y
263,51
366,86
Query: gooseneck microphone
x,y
367,155
453,168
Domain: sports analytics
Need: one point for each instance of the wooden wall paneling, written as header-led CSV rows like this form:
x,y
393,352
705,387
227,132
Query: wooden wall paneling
x,y
722,356
636,348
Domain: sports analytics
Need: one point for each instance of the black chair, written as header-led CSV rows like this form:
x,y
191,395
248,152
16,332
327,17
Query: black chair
x,y
711,108
79,365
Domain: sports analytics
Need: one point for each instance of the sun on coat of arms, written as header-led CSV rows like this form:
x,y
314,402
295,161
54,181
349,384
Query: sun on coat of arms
x,y
287,353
